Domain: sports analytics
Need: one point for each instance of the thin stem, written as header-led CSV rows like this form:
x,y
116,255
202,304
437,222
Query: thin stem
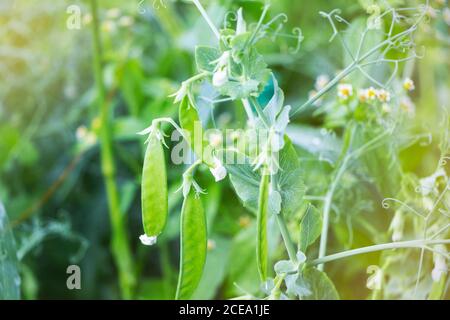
x,y
378,247
120,244
290,247
327,210
248,110
206,17
325,89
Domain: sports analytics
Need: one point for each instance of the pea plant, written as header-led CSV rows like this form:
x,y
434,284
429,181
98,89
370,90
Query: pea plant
x,y
366,106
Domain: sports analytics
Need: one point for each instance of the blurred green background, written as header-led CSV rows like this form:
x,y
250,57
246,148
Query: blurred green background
x,y
51,182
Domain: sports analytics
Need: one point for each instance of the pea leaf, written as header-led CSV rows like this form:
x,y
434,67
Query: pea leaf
x,y
262,244
192,246
320,285
204,55
310,228
290,180
9,275
154,188
239,89
245,182
291,187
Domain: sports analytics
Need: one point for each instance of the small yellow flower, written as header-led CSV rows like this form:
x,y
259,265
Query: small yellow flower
x,y
383,95
345,91
371,93
408,84
362,95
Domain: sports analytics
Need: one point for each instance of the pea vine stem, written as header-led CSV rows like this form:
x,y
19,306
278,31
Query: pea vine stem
x,y
326,211
206,17
421,244
120,243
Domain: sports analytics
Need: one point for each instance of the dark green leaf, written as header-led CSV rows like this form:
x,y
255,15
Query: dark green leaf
x,y
310,228
320,285
204,55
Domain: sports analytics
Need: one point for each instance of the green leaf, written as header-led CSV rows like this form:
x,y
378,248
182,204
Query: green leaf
x,y
310,228
192,246
239,89
291,187
321,287
290,180
204,55
9,275
257,69
261,227
154,188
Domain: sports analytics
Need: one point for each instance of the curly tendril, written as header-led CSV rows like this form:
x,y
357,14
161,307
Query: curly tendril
x,y
386,205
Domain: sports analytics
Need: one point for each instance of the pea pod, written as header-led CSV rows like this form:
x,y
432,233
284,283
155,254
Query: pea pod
x,y
261,243
188,117
154,187
192,246
190,123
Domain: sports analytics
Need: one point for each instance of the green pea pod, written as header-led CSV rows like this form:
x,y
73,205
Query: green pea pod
x,y
154,188
192,246
188,117
190,123
262,245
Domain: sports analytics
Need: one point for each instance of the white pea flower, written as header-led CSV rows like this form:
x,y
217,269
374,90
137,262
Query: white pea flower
x,y
181,93
408,84
345,91
146,240
220,77
440,263
223,61
218,171
241,26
